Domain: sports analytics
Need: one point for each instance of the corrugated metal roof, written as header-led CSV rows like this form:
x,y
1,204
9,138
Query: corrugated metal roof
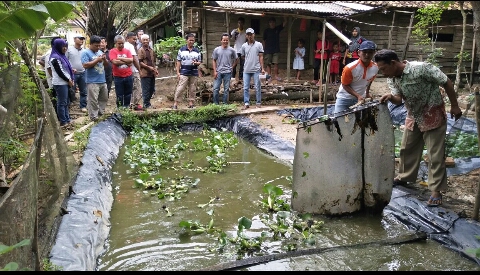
x,y
390,4
343,8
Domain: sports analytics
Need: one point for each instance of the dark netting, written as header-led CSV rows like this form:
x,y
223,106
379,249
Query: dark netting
x,y
31,208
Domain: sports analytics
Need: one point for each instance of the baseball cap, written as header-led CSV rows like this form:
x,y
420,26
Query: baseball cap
x,y
367,45
79,36
249,30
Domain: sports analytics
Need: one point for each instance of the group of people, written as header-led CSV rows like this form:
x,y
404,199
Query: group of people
x,y
413,83
251,57
338,53
130,65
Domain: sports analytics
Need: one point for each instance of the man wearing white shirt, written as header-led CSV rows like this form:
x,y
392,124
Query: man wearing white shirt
x,y
130,43
240,37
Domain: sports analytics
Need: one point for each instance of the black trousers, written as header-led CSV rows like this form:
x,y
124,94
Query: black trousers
x,y
316,69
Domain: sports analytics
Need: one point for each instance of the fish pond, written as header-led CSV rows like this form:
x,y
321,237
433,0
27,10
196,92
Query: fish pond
x,y
197,200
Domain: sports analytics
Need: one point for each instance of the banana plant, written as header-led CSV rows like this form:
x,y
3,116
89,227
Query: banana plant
x,y
23,23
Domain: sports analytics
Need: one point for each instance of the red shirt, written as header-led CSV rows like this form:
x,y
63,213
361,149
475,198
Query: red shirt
x,y
123,70
318,46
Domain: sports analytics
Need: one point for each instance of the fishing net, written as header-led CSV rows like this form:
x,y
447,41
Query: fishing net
x,y
31,201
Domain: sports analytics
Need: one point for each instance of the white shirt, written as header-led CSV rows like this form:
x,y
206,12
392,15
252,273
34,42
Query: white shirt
x,y
131,48
241,38
358,77
46,57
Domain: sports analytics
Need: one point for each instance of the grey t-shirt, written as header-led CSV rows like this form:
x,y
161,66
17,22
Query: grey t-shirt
x,y
225,57
252,61
74,55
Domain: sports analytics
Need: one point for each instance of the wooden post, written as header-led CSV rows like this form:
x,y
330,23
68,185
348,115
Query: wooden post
x,y
289,46
476,207
391,31
320,79
473,59
227,24
206,56
408,37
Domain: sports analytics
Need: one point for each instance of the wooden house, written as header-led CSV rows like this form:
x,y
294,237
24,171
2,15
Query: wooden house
x,y
388,23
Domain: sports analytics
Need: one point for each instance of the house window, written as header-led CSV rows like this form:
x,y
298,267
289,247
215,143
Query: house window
x,y
255,25
441,37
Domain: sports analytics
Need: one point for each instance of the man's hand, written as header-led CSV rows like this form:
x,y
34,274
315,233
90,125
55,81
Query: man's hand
x,y
385,98
455,112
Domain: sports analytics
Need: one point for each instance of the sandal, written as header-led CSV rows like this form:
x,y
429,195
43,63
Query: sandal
x,y
434,201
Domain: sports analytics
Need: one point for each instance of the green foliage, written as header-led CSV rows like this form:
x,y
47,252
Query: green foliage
x,y
150,150
460,144
272,202
428,17
24,22
433,56
12,151
81,139
49,266
457,145
12,266
169,46
169,119
474,251
147,9
29,102
463,56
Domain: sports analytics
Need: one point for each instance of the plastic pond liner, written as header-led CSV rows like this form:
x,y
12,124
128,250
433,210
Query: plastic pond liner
x,y
79,241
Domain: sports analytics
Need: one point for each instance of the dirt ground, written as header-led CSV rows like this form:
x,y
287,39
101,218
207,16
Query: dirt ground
x,y
462,189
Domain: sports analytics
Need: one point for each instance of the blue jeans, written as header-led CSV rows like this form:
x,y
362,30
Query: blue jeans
x,y
62,104
123,90
240,64
342,104
225,78
246,87
148,88
82,87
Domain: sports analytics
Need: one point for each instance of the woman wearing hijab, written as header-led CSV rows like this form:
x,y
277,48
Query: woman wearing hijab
x,y
62,78
351,54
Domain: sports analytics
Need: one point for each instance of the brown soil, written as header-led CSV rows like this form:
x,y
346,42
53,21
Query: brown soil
x,y
462,189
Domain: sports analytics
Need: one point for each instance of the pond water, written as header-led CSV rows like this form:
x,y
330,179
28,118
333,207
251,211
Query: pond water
x,y
143,237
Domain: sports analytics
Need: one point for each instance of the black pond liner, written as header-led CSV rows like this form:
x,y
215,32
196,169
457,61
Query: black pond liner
x,y
83,232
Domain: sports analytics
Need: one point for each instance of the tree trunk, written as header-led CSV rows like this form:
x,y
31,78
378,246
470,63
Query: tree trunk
x,y
298,95
476,25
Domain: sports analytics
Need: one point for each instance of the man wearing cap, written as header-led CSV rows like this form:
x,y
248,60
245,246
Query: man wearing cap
x,y
357,77
252,53
74,55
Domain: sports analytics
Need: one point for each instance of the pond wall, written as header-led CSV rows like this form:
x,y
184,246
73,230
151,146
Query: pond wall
x,y
84,229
